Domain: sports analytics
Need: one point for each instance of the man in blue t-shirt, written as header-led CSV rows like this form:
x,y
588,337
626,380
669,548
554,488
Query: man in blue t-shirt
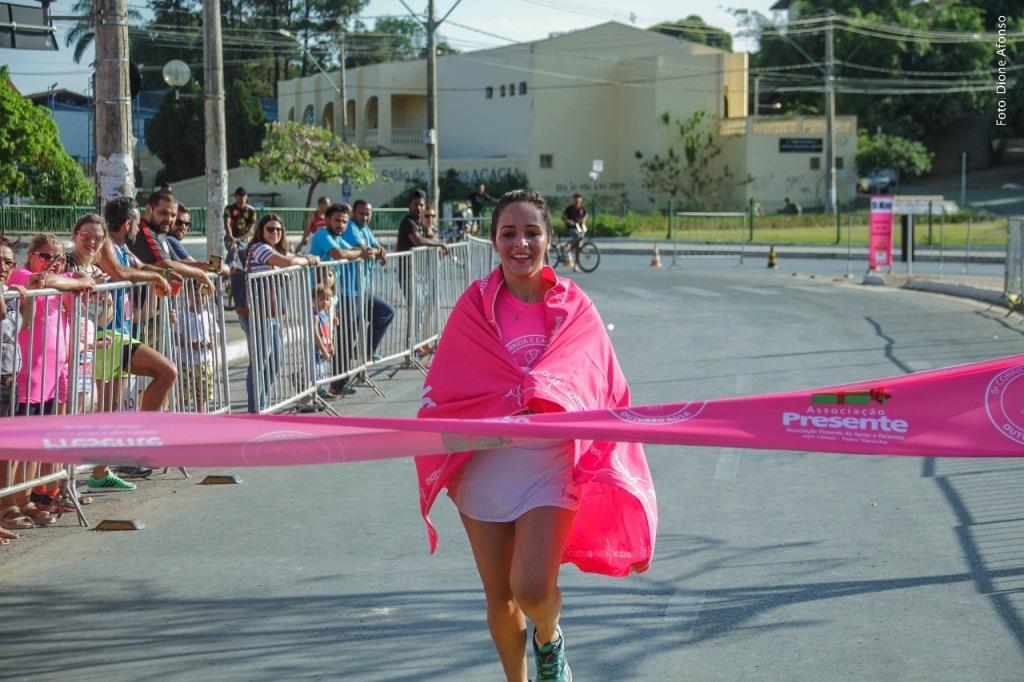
x,y
380,312
329,245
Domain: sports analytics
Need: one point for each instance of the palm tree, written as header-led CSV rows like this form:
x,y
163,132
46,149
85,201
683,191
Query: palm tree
x,y
83,33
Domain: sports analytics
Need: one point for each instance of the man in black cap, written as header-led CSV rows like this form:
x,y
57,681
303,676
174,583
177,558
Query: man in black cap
x,y
239,219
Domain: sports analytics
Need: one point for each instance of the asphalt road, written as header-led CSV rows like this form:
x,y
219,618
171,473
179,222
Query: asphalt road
x,y
768,565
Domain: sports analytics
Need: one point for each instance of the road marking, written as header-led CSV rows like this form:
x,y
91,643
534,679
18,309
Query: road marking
x,y
696,291
728,465
756,292
637,292
815,288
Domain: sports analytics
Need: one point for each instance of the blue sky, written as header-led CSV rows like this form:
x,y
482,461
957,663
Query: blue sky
x,y
519,20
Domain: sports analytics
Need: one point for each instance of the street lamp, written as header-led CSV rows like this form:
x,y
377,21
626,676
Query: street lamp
x,y
176,74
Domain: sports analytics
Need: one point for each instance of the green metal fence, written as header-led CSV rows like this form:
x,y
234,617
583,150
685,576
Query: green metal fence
x,y
24,219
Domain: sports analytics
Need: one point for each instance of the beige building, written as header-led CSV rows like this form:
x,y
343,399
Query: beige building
x,y
550,108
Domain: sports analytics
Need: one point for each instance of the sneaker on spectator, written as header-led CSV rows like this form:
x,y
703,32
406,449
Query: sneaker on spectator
x,y
134,472
109,483
550,659
376,357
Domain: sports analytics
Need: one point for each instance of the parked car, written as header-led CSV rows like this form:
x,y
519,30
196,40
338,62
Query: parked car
x,y
878,181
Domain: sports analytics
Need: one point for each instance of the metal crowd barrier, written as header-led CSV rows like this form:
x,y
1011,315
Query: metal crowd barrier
x,y
1013,282
95,332
421,286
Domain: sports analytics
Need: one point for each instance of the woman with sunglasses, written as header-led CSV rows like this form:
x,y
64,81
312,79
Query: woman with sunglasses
x,y
267,250
42,380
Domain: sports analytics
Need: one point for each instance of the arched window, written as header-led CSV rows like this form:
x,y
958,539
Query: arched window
x,y
370,115
502,90
308,117
327,121
291,114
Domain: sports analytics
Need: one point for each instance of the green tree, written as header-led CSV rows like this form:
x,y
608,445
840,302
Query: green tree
x,y
82,34
906,157
692,175
393,39
309,154
694,29
175,134
33,162
879,74
246,123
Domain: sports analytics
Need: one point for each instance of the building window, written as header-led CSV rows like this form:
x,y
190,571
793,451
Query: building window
x,y
522,87
511,89
502,90
547,161
488,92
839,163
815,163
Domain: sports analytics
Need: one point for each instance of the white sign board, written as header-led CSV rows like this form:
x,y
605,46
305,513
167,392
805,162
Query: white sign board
x,y
598,166
907,204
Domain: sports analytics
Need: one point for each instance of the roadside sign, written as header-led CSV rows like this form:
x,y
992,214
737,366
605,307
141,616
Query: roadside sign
x,y
910,204
598,166
880,239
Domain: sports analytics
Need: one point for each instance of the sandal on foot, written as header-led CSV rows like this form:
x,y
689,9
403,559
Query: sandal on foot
x,y
39,516
12,518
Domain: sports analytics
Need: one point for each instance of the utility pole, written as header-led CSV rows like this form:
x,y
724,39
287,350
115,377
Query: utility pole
x,y
115,171
344,91
431,132
757,96
831,203
216,144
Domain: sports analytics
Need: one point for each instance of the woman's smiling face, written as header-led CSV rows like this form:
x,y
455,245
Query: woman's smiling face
x,y
521,240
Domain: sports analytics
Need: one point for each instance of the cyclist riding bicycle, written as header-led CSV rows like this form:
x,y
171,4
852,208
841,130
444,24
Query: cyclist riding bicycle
x,y
574,216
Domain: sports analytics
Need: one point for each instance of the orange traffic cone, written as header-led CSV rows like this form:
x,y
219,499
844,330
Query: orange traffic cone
x,y
771,258
656,258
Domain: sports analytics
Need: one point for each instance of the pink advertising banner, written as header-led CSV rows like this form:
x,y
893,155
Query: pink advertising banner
x,y
974,410
880,235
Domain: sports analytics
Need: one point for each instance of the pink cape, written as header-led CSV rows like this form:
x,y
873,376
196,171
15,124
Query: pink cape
x,y
473,376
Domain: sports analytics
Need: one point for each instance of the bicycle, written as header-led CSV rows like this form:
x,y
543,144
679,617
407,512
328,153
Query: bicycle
x,y
589,256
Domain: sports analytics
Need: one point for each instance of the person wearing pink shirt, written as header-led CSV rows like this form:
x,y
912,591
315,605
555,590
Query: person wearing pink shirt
x,y
41,382
533,343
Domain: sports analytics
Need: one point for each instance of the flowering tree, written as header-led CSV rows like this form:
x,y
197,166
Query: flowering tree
x,y
300,153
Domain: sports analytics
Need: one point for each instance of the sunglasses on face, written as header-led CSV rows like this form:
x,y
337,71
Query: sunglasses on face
x,y
183,223
274,229
429,215
46,256
91,238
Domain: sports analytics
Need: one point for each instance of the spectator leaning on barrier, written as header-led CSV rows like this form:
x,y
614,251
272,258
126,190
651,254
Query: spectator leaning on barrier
x,y
10,363
151,247
175,236
123,355
380,312
329,245
268,250
410,231
42,381
316,220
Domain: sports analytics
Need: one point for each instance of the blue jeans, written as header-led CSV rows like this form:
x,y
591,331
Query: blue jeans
x,y
268,350
381,314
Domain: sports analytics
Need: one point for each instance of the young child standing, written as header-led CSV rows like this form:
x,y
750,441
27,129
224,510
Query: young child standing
x,y
197,331
323,335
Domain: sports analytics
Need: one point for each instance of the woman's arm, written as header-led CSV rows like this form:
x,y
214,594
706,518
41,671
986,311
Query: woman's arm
x,y
279,260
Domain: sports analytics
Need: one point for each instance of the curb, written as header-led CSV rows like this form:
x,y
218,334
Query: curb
x,y
933,285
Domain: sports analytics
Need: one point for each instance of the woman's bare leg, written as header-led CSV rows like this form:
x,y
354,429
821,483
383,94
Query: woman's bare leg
x,y
540,536
493,548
